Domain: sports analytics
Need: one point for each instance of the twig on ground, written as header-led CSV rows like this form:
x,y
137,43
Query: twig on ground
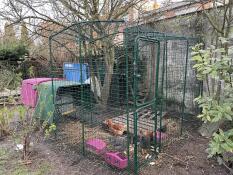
x,y
185,161
225,165
173,157
26,162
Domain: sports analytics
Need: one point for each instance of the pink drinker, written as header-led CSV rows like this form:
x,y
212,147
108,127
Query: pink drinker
x,y
116,159
98,146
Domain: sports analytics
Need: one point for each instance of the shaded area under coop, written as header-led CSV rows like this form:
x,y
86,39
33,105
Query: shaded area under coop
x,y
49,106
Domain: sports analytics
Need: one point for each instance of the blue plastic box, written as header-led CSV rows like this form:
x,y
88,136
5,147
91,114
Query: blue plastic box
x,y
72,72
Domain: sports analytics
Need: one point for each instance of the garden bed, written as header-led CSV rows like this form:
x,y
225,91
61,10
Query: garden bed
x,y
61,155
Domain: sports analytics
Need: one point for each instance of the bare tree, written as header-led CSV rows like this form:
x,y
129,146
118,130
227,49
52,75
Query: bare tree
x,y
65,12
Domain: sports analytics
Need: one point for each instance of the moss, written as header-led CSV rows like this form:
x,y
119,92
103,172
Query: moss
x,y
20,170
10,165
45,168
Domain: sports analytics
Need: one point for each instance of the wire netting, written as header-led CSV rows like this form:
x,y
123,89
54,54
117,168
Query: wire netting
x,y
128,89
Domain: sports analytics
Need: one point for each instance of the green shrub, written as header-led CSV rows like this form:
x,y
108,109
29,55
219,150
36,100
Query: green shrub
x,y
12,51
9,79
6,116
214,65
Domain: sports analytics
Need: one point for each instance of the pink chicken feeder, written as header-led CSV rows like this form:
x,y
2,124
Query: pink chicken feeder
x,y
98,146
116,159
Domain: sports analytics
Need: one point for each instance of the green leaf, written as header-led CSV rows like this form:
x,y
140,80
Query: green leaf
x,y
228,117
208,118
226,147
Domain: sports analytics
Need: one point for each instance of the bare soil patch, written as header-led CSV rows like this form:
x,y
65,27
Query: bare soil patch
x,y
61,155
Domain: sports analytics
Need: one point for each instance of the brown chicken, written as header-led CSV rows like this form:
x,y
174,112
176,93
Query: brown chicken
x,y
145,138
146,133
115,128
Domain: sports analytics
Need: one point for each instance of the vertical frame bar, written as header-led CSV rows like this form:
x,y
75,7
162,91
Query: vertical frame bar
x,y
52,76
135,114
184,87
51,66
162,99
156,96
82,107
166,72
127,98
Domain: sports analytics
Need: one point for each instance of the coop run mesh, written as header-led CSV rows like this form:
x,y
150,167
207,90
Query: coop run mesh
x,y
128,89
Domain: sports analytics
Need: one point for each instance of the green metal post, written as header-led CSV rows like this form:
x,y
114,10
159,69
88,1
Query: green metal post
x,y
184,87
156,94
166,71
127,98
135,114
82,107
161,109
52,76
51,66
91,103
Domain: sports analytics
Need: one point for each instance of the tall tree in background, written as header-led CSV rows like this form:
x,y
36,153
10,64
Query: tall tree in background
x,y
65,12
24,35
11,49
9,33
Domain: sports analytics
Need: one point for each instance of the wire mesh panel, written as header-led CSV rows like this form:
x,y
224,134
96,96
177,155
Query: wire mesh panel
x,y
95,90
146,98
125,88
162,72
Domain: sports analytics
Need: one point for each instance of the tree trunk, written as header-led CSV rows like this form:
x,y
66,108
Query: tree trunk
x,y
208,129
109,64
105,91
26,146
95,87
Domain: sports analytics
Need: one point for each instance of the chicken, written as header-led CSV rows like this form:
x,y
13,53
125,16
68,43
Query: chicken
x,y
146,133
115,128
145,138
